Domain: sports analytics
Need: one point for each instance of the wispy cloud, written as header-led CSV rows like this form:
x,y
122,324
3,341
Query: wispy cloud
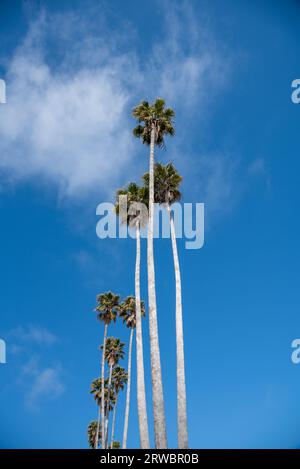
x,y
45,383
257,167
31,367
189,64
67,116
219,184
33,334
38,379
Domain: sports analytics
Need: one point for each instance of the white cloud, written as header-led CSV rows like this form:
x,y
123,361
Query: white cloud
x,y
67,127
39,380
46,384
70,88
33,334
40,383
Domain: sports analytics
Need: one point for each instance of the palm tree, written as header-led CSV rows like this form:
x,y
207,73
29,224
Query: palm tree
x,y
166,188
154,123
114,351
109,400
135,218
107,308
128,314
92,433
115,445
119,379
109,396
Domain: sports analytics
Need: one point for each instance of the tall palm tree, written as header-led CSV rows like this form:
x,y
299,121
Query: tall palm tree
x,y
119,379
107,308
92,433
114,351
154,123
137,218
109,401
166,187
128,314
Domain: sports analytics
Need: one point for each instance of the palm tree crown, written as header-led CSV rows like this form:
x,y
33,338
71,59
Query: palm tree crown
x,y
114,350
128,311
108,307
119,378
92,434
134,194
155,116
116,445
109,395
166,183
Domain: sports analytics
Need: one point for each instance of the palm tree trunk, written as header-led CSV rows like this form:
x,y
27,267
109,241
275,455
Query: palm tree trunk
x,y
128,392
141,395
107,412
98,428
181,389
102,391
157,388
113,423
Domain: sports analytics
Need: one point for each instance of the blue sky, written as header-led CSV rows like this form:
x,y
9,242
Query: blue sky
x,y
73,72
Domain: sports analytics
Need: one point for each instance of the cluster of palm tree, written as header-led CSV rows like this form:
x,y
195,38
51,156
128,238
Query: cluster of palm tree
x,y
160,185
106,388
